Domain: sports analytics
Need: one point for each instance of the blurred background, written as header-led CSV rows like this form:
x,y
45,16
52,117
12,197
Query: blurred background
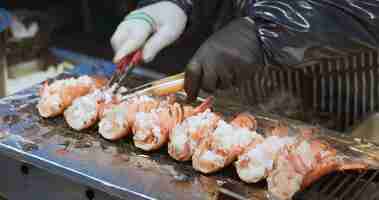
x,y
81,27
84,26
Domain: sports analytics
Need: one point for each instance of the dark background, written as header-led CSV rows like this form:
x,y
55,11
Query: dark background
x,y
71,31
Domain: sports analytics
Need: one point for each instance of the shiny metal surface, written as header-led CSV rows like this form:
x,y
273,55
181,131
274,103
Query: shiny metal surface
x,y
119,169
25,181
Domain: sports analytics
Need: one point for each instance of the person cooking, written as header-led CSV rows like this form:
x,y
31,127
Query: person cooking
x,y
262,45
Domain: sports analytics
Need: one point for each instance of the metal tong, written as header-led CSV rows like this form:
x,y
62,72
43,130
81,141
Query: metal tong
x,y
124,68
165,86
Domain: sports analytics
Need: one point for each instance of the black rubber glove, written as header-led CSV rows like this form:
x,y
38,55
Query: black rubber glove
x,y
228,57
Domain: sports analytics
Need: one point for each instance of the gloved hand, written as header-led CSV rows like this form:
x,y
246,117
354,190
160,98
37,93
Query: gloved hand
x,y
228,57
151,28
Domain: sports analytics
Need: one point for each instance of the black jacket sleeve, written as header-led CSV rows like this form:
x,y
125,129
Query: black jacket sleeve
x,y
294,31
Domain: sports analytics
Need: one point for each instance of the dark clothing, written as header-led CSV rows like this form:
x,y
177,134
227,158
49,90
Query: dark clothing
x,y
289,29
305,45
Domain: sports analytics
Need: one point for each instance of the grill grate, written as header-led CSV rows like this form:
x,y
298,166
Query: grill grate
x,y
344,186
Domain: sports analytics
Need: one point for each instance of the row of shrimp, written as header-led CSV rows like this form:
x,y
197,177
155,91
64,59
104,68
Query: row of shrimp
x,y
85,101
289,163
56,97
81,100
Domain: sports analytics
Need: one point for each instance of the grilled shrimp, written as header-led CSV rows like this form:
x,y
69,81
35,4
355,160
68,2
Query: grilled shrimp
x,y
85,111
300,164
56,97
117,119
151,129
258,159
186,136
224,145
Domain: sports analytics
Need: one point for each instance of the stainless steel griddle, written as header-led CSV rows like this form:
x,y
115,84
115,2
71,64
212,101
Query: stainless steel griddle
x,y
44,159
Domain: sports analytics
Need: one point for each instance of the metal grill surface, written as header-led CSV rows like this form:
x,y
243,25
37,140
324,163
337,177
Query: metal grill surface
x,y
120,169
344,186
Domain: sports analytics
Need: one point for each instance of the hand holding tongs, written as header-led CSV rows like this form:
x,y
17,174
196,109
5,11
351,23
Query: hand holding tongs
x,y
125,67
165,86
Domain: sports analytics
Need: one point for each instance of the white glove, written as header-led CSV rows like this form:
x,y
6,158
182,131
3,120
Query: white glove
x,y
21,31
150,28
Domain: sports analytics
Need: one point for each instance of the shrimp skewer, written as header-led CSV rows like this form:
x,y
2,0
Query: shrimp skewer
x,y
300,164
85,111
151,129
186,136
59,95
117,119
224,145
